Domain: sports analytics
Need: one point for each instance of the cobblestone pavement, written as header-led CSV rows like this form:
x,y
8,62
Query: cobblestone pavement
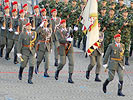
x,y
50,89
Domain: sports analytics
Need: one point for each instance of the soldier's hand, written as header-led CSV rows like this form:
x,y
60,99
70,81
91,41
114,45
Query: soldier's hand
x,y
10,30
119,31
16,33
68,16
105,66
69,39
125,24
3,28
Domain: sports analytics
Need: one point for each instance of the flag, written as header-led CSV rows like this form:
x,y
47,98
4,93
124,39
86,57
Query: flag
x,y
90,22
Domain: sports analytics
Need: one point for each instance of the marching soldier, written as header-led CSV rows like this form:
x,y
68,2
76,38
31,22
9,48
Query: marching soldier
x,y
65,49
11,41
15,6
4,29
124,25
44,45
36,18
96,57
6,3
55,21
27,14
116,63
26,51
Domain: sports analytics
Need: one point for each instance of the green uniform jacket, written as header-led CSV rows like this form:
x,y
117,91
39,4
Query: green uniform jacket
x,y
114,52
44,35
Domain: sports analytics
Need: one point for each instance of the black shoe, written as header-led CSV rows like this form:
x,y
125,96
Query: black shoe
x,y
20,73
30,75
46,73
7,56
56,63
105,85
97,78
57,74
70,78
126,61
120,86
87,74
15,60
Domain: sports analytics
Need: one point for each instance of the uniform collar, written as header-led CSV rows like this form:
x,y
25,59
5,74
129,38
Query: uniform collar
x,y
117,44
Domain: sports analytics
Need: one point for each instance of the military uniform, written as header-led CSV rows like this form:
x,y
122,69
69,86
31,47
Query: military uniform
x,y
55,23
26,51
65,49
44,47
116,64
96,57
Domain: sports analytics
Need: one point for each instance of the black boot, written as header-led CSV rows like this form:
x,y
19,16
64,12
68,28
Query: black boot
x,y
37,67
1,52
57,74
87,74
126,61
15,60
74,43
97,78
56,62
70,78
20,73
120,85
104,85
46,73
7,56
30,75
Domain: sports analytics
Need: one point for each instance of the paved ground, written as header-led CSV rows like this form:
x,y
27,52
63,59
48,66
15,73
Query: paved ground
x,y
50,89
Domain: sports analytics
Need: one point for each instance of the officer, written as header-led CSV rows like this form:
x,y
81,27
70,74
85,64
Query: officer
x,y
26,51
65,49
116,63
44,45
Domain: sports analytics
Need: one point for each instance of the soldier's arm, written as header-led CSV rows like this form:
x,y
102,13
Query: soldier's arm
x,y
19,47
107,54
39,29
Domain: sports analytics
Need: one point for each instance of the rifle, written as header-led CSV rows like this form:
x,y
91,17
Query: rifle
x,y
21,4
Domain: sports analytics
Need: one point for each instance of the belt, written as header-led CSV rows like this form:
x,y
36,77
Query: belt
x,y
28,45
43,41
116,59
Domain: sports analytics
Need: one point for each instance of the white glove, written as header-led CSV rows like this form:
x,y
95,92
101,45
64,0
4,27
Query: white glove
x,y
19,55
102,54
35,55
70,39
33,28
10,30
105,66
123,67
51,50
3,28
16,33
42,24
75,28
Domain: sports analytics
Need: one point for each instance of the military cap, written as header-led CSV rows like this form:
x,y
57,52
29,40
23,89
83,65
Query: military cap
x,y
6,1
125,10
117,35
62,21
103,8
21,11
28,24
6,7
25,5
14,10
43,10
53,10
111,9
14,3
36,6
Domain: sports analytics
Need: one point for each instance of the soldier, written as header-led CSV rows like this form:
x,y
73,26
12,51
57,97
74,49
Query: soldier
x,y
27,14
4,29
102,4
110,28
116,63
36,18
55,21
11,41
6,3
73,20
44,45
65,49
96,57
26,51
124,26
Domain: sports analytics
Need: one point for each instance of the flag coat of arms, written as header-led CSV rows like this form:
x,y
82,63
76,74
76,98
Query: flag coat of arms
x,y
90,22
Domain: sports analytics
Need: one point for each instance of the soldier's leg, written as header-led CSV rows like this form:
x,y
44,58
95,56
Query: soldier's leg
x,y
10,45
15,52
111,74
3,43
40,56
131,49
46,64
120,72
56,53
98,67
32,61
61,64
71,67
84,42
22,66
126,53
90,66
